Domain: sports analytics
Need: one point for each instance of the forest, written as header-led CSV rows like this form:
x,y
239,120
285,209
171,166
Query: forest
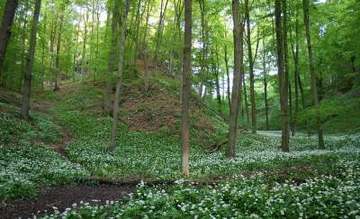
x,y
179,109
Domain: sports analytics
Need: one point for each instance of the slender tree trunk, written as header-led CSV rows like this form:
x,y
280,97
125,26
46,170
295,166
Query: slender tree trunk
x,y
281,73
186,88
138,19
122,41
236,89
43,50
159,33
52,43
146,50
24,35
26,91
291,116
5,30
111,62
226,59
251,68
204,70
175,54
217,81
75,68
58,47
314,79
246,102
286,84
83,58
295,52
266,103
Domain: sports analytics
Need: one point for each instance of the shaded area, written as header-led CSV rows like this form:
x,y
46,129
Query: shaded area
x,y
63,197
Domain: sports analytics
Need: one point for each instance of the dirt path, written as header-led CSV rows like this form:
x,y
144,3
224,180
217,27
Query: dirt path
x,y
63,197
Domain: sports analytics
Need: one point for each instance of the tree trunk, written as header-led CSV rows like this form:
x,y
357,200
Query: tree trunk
x,y
204,71
159,33
121,51
237,83
83,58
286,84
111,62
5,29
251,68
216,69
26,91
295,52
146,50
226,59
246,102
186,88
138,20
266,103
58,47
314,90
281,72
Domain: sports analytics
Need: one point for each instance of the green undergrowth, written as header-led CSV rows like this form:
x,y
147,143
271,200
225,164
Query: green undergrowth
x,y
157,155
339,114
14,130
27,160
25,168
332,192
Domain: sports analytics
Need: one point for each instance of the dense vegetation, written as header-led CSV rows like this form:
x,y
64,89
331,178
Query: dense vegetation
x,y
213,109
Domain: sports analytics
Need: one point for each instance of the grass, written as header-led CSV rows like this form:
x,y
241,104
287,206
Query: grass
x,y
260,182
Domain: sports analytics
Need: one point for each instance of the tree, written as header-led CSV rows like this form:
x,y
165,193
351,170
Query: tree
x,y
58,47
159,33
265,80
30,62
5,29
313,75
186,88
283,87
120,71
251,68
112,56
237,81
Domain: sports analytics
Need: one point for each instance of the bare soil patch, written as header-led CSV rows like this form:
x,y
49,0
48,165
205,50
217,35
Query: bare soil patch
x,y
63,197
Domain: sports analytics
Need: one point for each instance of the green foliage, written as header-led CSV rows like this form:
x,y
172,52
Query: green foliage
x,y
329,193
339,114
15,130
24,168
26,160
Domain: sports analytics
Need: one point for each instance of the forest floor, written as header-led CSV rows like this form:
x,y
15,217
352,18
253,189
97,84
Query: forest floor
x,y
56,166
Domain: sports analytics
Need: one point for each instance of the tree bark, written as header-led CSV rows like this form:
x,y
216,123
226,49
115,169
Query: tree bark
x,y
146,50
316,102
283,89
266,103
217,81
159,33
26,91
111,62
237,83
246,102
5,30
58,47
286,85
251,68
121,51
186,88
226,59
295,52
